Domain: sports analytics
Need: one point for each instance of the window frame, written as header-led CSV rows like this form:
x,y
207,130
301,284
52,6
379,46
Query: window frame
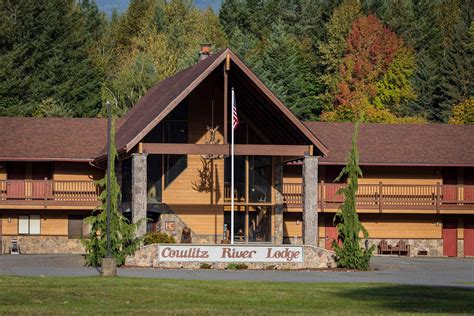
x,y
29,218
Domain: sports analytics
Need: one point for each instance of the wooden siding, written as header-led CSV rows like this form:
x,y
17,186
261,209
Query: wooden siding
x,y
202,219
205,109
66,171
396,225
292,174
401,175
292,225
52,222
402,226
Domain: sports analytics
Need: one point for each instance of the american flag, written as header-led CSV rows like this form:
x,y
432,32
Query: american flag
x,y
235,117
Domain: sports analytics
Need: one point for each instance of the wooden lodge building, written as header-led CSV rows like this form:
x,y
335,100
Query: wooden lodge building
x,y
174,169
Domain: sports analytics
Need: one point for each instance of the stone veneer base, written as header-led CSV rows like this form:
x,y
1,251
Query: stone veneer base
x,y
43,245
314,258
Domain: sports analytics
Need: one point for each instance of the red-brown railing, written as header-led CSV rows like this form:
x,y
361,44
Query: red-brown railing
x,y
48,192
389,196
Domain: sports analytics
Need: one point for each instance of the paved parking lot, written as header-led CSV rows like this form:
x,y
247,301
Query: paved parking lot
x,y
415,271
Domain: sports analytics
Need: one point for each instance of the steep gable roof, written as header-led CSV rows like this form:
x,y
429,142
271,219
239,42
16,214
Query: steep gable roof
x,y
167,94
161,100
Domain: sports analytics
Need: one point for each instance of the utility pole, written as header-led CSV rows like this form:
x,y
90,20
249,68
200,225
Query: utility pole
x,y
109,160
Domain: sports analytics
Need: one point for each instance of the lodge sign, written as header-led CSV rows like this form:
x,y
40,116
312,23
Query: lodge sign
x,y
227,253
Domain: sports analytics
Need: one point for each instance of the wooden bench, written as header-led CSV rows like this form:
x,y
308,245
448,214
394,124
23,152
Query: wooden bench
x,y
400,248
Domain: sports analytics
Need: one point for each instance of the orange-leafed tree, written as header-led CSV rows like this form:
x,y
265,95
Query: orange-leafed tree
x,y
369,87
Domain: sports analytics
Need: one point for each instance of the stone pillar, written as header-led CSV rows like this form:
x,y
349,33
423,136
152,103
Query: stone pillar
x,y
278,219
139,196
310,201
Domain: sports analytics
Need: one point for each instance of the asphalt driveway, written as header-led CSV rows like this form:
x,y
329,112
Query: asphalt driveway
x,y
412,271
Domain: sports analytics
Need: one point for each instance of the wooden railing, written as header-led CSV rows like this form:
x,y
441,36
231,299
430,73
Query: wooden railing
x,y
48,192
239,194
388,196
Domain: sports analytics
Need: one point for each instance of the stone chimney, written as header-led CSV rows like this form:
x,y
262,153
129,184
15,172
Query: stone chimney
x,y
205,51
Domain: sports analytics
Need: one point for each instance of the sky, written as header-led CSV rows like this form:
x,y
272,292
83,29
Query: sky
x,y
121,5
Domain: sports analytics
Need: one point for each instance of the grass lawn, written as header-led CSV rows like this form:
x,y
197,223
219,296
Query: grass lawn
x,y
96,295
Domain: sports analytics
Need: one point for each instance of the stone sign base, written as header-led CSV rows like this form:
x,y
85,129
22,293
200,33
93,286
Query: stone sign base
x,y
314,258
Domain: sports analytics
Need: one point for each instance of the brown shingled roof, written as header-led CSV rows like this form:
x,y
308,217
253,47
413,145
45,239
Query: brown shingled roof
x,y
51,138
399,144
161,99
166,95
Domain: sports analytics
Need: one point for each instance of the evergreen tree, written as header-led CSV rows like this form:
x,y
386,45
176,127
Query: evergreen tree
x,y
288,68
350,254
457,67
122,233
44,55
427,41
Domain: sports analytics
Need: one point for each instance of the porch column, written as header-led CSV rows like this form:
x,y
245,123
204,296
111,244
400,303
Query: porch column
x,y
310,201
278,220
139,196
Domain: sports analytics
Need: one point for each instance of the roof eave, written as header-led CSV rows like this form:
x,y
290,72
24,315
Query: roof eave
x,y
324,150
46,159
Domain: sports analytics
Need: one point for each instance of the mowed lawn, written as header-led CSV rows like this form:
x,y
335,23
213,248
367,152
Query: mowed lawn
x,y
96,295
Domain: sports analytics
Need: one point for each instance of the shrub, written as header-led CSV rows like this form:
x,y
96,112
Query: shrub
x,y
237,266
158,238
205,266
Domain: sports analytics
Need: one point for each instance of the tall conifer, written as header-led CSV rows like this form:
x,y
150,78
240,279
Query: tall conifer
x,y
349,254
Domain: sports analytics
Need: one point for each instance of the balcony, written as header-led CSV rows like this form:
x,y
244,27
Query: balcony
x,y
48,194
381,197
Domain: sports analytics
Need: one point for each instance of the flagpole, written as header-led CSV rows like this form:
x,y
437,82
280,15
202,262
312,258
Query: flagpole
x,y
232,173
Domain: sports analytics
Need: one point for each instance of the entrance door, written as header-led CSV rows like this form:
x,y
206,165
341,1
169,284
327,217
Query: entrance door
x,y
450,236
469,237
331,232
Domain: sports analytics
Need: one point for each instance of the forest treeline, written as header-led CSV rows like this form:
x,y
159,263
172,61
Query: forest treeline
x,y
385,61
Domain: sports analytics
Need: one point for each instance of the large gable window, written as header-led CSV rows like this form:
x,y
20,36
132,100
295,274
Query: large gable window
x,y
176,131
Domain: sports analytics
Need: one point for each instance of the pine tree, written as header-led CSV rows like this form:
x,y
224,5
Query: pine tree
x,y
350,254
122,233
44,55
288,67
457,65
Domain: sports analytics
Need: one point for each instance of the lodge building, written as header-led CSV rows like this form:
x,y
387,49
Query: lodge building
x,y
174,169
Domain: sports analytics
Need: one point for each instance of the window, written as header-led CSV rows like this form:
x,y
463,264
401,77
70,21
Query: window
x,y
29,225
260,179
176,131
154,172
127,180
239,177
76,227
174,165
257,219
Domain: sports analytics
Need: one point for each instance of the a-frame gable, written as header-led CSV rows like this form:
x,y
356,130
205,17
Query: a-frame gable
x,y
160,100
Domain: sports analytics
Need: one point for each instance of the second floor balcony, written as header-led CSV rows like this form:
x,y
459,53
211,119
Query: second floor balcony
x,y
390,197
49,194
